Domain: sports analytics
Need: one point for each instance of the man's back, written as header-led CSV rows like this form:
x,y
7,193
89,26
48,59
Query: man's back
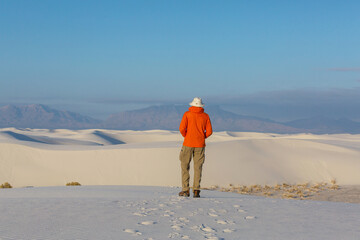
x,y
195,127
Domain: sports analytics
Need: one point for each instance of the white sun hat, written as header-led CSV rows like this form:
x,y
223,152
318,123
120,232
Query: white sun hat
x,y
197,102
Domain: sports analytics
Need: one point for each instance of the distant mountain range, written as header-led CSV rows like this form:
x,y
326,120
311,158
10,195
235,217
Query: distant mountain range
x,y
169,118
321,124
165,117
41,116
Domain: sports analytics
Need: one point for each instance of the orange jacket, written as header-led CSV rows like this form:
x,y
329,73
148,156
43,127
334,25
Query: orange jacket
x,y
195,126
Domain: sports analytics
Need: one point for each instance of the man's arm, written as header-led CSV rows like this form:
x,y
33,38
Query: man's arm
x,y
183,125
208,128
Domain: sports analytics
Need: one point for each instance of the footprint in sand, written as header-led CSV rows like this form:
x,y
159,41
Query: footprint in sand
x,y
147,223
227,230
207,229
174,235
168,213
249,217
210,237
139,214
222,222
222,211
151,209
146,211
176,227
213,215
195,228
132,231
182,219
241,210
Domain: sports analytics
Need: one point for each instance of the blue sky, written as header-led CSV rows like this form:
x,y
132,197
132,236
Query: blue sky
x,y
98,57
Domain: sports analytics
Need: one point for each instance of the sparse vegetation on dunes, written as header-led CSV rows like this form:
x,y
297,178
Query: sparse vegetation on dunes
x,y
73,184
5,185
284,190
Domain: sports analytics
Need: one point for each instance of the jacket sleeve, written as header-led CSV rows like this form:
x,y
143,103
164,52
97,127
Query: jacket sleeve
x,y
183,125
208,128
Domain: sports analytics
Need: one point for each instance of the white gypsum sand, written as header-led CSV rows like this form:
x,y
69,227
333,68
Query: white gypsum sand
x,y
138,212
35,157
41,157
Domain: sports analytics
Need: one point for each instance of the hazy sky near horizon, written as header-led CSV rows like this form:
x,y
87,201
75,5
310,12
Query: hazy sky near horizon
x,y
73,53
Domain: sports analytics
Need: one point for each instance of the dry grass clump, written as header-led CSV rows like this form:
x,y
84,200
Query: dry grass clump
x,y
73,184
213,187
5,185
289,195
268,194
334,185
283,190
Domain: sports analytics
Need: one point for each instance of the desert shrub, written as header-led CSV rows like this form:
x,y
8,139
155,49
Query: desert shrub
x,y
73,184
5,185
303,185
334,185
289,195
212,188
268,194
256,188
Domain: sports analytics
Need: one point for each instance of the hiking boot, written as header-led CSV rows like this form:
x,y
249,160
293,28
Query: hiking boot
x,y
196,193
184,193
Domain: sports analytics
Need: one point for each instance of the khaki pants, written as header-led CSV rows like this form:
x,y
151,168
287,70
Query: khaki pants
x,y
198,154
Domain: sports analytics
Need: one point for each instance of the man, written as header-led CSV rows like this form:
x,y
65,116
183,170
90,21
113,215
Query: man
x,y
195,127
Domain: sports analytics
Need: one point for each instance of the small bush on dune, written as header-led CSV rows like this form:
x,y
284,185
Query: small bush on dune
x,y
289,195
73,184
5,185
303,185
334,185
268,194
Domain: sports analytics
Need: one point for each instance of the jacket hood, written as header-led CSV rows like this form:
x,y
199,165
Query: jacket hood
x,y
196,109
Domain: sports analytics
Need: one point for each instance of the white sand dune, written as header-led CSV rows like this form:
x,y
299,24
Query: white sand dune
x,y
138,212
41,157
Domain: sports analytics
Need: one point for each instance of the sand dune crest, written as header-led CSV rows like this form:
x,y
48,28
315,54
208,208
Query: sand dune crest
x,y
41,157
